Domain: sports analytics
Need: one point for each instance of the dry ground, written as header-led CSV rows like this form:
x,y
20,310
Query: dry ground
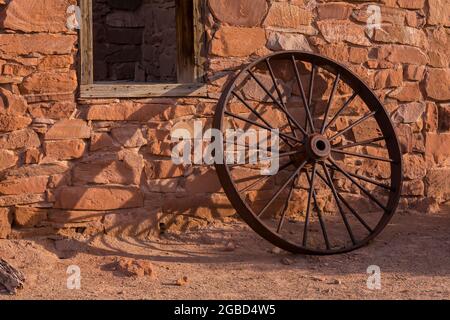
x,y
413,254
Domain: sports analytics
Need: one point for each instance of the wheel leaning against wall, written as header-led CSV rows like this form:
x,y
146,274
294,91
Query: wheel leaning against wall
x,y
340,166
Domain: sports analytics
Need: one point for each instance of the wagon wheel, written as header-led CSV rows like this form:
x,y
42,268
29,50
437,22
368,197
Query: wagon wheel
x,y
340,166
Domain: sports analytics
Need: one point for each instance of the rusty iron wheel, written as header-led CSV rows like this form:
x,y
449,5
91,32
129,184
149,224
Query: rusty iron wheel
x,y
340,174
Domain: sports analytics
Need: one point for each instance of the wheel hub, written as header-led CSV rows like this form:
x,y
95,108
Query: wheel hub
x,y
318,147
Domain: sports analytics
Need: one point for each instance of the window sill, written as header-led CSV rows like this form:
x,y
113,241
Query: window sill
x,y
142,90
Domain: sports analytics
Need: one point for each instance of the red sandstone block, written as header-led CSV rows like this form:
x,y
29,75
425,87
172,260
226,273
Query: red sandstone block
x,y
437,84
69,129
339,11
12,122
228,41
203,180
53,110
8,159
26,138
129,136
438,183
5,223
439,12
23,44
335,31
438,149
46,169
162,169
239,13
287,15
50,82
103,142
409,92
128,111
24,186
402,54
41,16
414,166
98,198
104,172
29,217
64,217
64,149
21,199
52,62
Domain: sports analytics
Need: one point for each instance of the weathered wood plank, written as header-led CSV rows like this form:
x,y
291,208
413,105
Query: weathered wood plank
x,y
11,279
199,40
185,41
132,90
86,43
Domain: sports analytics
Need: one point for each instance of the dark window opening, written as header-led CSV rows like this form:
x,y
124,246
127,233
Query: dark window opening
x,y
135,40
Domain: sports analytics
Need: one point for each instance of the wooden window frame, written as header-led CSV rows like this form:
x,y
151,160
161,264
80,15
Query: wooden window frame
x,y
190,72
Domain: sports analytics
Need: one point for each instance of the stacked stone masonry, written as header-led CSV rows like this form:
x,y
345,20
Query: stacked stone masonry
x,y
134,40
69,165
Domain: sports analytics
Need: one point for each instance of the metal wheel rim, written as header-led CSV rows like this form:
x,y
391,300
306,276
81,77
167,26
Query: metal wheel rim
x,y
383,120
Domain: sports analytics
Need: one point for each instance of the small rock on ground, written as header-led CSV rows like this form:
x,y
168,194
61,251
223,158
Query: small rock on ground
x,y
134,268
182,281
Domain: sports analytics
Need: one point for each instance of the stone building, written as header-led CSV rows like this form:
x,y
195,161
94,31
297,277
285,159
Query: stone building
x,y
85,149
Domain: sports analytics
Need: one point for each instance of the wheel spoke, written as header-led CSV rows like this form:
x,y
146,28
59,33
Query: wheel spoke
x,y
319,214
255,146
286,112
302,90
308,206
286,206
280,96
367,116
341,110
281,155
336,197
353,211
311,91
374,182
281,189
261,179
358,185
362,143
263,127
349,207
330,102
252,110
366,156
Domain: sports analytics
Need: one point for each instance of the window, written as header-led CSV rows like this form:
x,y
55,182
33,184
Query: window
x,y
141,48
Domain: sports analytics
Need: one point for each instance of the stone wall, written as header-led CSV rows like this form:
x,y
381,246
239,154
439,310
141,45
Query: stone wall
x,y
73,166
135,41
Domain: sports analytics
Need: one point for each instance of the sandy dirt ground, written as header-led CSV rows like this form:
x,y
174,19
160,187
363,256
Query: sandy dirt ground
x,y
413,254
